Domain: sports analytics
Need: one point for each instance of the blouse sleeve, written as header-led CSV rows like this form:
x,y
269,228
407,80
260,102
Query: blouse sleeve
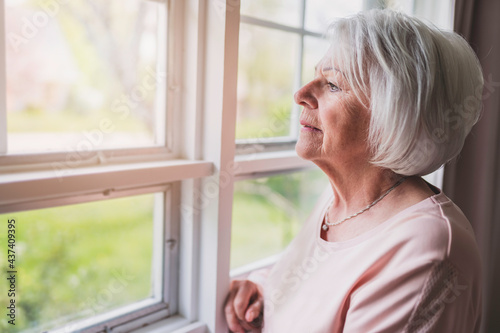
x,y
426,297
259,276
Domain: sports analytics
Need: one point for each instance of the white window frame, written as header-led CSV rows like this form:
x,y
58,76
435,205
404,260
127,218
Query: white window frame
x,y
30,182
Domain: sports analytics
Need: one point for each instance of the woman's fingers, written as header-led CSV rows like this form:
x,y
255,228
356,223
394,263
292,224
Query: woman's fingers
x,y
254,311
246,291
232,321
243,307
254,314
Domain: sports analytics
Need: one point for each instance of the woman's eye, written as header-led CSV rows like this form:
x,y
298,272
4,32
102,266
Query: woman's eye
x,y
333,87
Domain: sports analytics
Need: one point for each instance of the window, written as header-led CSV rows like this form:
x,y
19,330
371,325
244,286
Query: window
x,y
269,211
95,72
91,170
106,250
138,141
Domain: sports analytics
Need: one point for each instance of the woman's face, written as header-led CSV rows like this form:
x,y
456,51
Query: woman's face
x,y
334,124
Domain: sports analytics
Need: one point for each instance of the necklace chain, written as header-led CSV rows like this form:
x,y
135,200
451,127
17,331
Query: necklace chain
x,y
328,223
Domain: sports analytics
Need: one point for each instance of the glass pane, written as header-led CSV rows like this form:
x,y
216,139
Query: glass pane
x,y
266,74
78,261
83,75
440,13
321,13
314,50
286,12
268,212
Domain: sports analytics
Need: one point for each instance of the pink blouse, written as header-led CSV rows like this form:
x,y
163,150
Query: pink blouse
x,y
419,271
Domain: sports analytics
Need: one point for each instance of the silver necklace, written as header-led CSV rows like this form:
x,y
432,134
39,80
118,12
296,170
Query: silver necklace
x,y
328,223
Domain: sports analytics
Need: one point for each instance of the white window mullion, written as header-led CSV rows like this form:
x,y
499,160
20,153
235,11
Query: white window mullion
x,y
187,66
169,236
189,63
221,33
3,74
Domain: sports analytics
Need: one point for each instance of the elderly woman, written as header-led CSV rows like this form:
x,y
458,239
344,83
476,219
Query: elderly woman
x,y
384,251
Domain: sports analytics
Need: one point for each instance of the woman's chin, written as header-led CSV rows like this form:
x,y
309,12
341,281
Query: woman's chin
x,y
304,151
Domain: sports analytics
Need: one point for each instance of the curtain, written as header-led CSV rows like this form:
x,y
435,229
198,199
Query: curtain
x,y
472,181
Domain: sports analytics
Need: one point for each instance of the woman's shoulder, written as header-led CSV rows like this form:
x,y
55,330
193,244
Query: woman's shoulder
x,y
436,230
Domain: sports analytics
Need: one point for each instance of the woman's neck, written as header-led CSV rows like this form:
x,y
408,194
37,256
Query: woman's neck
x,y
359,186
351,195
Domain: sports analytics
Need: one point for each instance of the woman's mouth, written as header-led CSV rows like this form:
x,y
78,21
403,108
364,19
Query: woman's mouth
x,y
309,128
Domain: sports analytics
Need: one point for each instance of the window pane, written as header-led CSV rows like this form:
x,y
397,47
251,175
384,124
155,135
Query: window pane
x,y
286,12
314,50
82,260
320,13
83,74
268,212
266,74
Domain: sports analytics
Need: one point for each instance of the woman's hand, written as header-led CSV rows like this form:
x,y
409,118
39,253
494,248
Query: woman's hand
x,y
244,306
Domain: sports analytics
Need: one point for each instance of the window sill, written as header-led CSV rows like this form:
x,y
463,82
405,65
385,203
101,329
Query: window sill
x,y
244,271
174,324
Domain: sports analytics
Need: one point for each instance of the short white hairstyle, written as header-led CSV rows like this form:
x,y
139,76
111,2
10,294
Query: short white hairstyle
x,y
423,86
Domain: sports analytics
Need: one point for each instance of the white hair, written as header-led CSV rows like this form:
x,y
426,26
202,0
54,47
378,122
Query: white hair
x,y
423,86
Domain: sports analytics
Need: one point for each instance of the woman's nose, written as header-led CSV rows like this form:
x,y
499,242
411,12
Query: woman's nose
x,y
305,96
